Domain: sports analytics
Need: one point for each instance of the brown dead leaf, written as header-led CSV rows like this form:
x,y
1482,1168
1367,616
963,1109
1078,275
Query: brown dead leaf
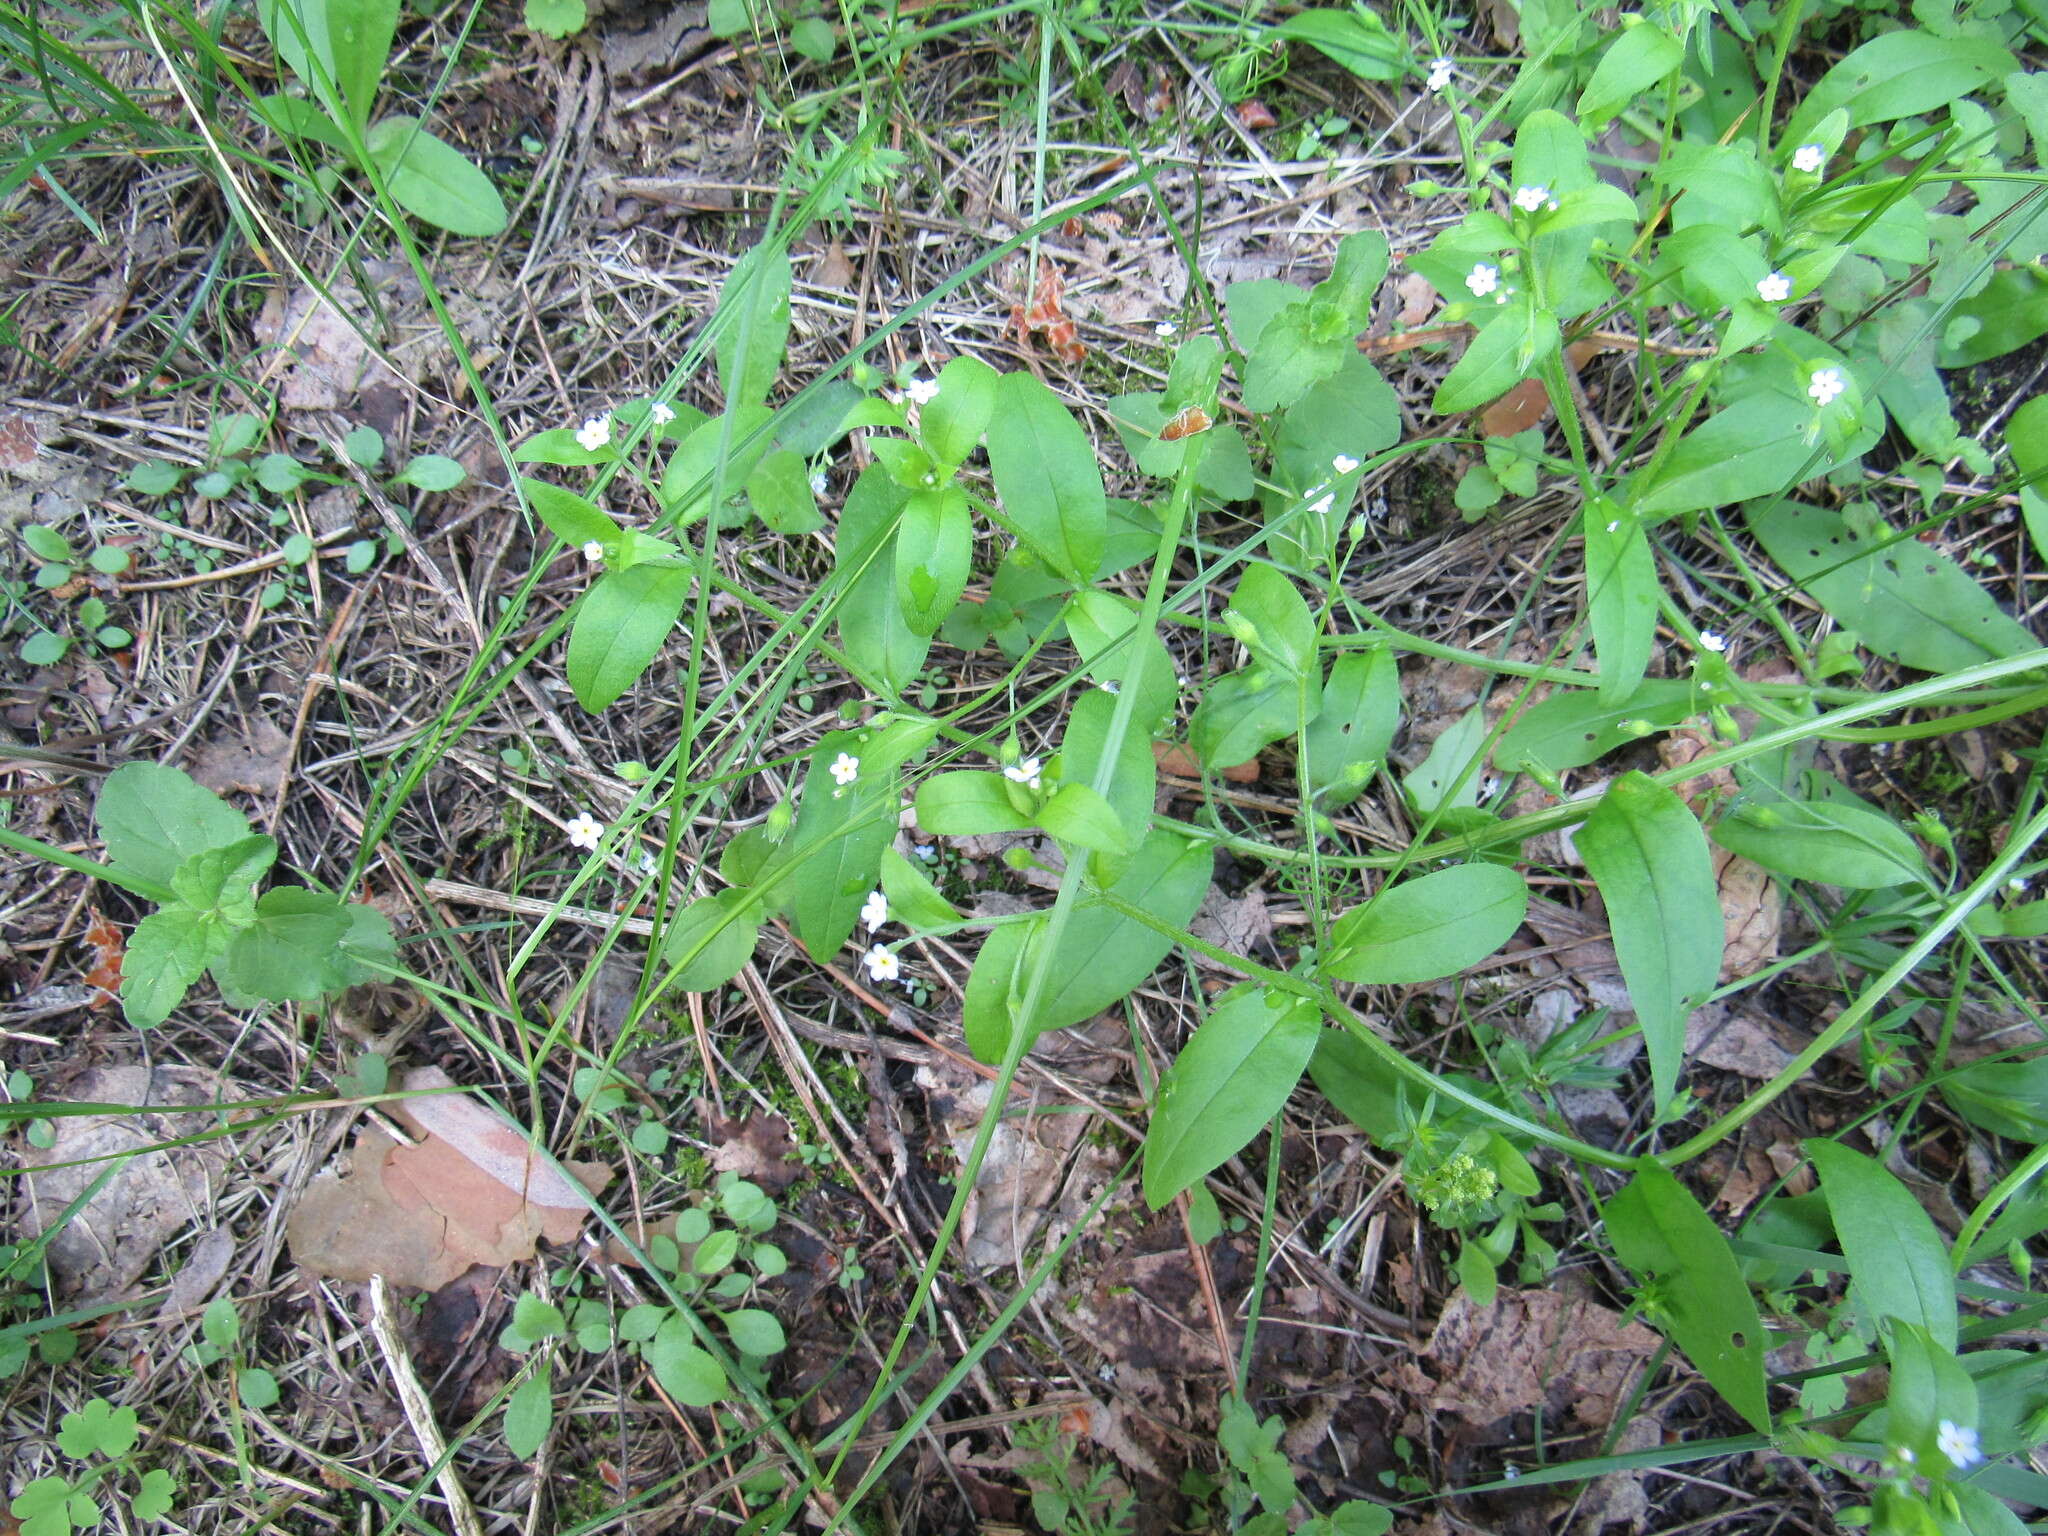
x,y
1524,406
18,445
1182,763
1417,298
326,362
1752,912
1531,1349
470,1191
251,760
108,950
833,269
1240,924
112,1240
758,1149
1742,1043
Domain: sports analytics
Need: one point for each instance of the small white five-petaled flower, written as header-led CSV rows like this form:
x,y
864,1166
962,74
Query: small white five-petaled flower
x,y
874,912
881,964
1482,279
593,552
1343,463
1958,1442
1825,386
820,483
1166,328
1774,289
1810,158
1709,641
661,413
1529,199
845,769
594,433
921,391
585,831
1027,773
1322,504
1439,74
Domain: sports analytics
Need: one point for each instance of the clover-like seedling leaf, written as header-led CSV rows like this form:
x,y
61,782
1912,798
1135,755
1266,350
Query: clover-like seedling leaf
x,y
99,1428
153,1500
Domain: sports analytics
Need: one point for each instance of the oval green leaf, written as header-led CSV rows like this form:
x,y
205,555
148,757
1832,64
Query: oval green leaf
x,y
1429,927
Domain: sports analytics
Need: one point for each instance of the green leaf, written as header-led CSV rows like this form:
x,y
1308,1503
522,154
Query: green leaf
x,y
44,649
913,900
1047,476
257,1388
1905,600
950,424
294,950
934,556
1432,926
534,1319
1360,268
153,817
168,951
1571,729
98,1429
1621,597
1648,856
623,623
1229,1080
967,804
337,47
1076,814
1753,448
1643,56
1660,1232
1245,711
153,477
2007,1098
779,489
1353,412
364,446
1445,779
1358,40
754,1332
1832,842
841,831
217,881
871,626
44,542
1898,1263
154,1498
432,181
433,471
1361,711
1273,620
1510,348
687,1373
557,19
1133,781
1101,956
220,1325
1104,629
2004,315
712,939
1898,75
1289,358
753,325
530,1411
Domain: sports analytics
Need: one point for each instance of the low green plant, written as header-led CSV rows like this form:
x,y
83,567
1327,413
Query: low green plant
x,y
1066,1498
100,1440
58,570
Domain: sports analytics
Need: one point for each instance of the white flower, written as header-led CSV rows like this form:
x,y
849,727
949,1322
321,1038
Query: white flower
x,y
1165,328
2017,883
661,413
1615,526
1904,1454
594,433
593,552
1810,158
1343,463
585,831
882,965
648,862
1026,772
1482,279
1709,641
845,769
1775,289
1322,504
1529,199
1439,74
921,391
1825,386
1958,1442
820,483
928,852
874,912
1111,685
